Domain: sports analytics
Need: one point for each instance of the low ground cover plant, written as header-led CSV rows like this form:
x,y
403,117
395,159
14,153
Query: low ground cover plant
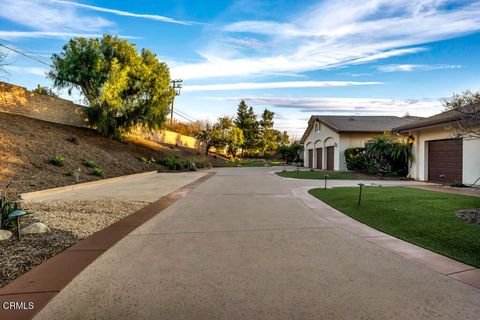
x,y
58,161
148,161
90,164
97,171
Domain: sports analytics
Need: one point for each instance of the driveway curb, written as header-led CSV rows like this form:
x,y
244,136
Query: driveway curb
x,y
44,282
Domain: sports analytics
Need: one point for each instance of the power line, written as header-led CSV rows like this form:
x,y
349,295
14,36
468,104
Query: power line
x,y
25,49
186,115
24,54
182,116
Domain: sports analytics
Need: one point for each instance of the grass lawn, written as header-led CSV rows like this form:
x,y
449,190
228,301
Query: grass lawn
x,y
425,218
337,175
254,163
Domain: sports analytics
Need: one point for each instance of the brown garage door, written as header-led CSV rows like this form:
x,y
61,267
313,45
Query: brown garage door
x,y
310,158
445,157
319,158
330,157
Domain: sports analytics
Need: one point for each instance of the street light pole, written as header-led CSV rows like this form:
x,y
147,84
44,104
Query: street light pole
x,y
176,86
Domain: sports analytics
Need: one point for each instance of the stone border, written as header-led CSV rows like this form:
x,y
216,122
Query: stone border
x,y
34,194
429,259
42,283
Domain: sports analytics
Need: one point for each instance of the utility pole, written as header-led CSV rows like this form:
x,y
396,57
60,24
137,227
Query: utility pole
x,y
176,86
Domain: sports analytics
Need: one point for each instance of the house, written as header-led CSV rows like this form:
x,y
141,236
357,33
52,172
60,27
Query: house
x,y
327,137
439,153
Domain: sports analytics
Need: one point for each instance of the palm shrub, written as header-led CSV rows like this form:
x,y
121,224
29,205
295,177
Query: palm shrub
x,y
384,155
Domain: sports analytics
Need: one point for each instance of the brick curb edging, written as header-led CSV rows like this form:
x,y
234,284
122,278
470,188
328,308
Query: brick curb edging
x,y
45,281
447,266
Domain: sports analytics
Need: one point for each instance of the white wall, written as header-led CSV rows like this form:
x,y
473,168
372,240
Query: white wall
x,y
324,138
471,154
471,161
327,138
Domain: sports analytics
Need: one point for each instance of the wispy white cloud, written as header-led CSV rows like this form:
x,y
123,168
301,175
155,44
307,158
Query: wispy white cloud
x,y
124,13
51,19
246,43
275,85
41,15
51,34
30,70
420,107
329,35
415,67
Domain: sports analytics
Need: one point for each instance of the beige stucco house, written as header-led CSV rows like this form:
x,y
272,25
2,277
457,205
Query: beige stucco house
x,y
440,155
327,137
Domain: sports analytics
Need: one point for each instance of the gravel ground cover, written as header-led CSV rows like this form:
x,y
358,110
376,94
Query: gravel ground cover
x,y
69,222
469,215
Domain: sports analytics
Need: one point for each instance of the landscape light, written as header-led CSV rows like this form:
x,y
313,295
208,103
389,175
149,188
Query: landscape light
x,y
17,214
360,193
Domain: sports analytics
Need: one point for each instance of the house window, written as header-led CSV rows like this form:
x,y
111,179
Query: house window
x,y
317,127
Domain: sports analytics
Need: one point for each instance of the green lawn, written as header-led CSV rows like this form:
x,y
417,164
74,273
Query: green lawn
x,y
253,163
337,175
425,218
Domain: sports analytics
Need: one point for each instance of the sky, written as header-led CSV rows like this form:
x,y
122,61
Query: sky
x,y
294,57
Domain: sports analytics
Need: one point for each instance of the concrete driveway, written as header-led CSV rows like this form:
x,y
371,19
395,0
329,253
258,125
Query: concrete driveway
x,y
242,245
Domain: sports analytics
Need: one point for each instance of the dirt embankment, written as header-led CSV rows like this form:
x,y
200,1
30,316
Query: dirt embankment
x,y
27,147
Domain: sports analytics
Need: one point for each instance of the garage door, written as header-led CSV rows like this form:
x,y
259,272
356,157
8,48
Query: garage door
x,y
319,158
330,157
445,157
310,158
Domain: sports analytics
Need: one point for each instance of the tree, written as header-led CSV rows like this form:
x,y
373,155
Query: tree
x,y
124,88
467,107
290,153
45,91
210,137
268,134
234,141
246,121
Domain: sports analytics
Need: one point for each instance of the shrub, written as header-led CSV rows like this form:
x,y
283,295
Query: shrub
x,y
200,164
90,163
148,161
97,171
355,159
384,155
175,163
59,161
6,207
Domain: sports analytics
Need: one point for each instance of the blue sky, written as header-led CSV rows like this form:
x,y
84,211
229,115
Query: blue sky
x,y
296,57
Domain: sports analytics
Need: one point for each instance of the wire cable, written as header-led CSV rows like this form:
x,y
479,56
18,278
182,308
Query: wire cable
x,y
25,49
24,54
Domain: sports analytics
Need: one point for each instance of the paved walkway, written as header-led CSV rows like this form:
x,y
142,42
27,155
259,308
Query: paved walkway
x,y
242,245
146,187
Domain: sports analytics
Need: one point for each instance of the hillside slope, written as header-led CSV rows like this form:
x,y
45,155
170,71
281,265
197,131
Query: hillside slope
x,y
28,145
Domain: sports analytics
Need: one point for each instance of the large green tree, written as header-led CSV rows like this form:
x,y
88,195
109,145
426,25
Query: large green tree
x,y
211,137
124,87
246,121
